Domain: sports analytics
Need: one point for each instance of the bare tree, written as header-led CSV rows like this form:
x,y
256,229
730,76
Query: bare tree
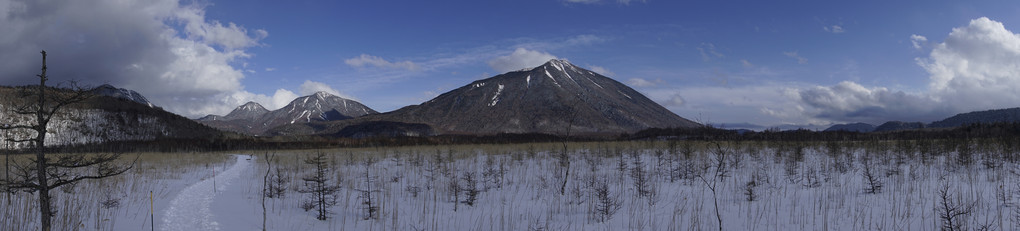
x,y
48,173
720,174
370,206
322,193
952,212
470,188
606,204
564,158
874,184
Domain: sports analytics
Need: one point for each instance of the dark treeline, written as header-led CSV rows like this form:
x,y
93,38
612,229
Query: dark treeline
x,y
972,131
236,143
304,142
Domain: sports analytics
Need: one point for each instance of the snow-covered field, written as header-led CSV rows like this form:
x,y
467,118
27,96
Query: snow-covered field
x,y
608,186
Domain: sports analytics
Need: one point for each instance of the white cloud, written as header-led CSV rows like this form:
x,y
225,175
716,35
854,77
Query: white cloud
x,y
624,2
172,53
794,55
521,58
835,29
746,64
368,60
708,52
918,41
675,100
230,36
601,70
281,98
851,102
627,2
585,39
269,69
311,87
976,67
639,82
765,104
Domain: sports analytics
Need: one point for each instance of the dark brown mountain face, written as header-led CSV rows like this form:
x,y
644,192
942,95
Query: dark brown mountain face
x,y
555,98
253,119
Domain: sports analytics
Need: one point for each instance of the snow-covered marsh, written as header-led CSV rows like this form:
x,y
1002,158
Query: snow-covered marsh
x,y
637,185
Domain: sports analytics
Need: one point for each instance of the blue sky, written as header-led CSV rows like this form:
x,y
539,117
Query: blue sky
x,y
761,62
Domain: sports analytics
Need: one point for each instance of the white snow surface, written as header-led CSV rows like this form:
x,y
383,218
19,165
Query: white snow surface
x,y
553,79
414,193
191,208
495,98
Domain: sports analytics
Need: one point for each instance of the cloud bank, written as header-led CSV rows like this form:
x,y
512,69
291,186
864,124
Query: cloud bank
x,y
977,67
168,51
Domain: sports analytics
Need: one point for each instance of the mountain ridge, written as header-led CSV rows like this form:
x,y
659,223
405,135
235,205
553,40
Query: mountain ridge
x,y
254,119
554,98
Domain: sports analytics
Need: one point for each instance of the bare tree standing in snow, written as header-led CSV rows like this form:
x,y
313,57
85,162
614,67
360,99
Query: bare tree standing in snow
x,y
47,173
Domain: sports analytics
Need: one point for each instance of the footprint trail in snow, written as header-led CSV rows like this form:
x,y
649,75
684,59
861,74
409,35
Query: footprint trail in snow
x,y
190,209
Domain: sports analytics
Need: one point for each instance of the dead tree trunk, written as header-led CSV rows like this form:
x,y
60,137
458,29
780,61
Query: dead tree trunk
x,y
46,174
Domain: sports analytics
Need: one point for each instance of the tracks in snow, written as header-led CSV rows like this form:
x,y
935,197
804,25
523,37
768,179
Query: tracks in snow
x,y
190,209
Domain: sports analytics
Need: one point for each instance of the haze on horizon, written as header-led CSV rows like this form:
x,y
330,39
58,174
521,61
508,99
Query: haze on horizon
x,y
720,62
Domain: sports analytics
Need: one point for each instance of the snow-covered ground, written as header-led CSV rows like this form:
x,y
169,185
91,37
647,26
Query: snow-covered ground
x,y
648,186
191,209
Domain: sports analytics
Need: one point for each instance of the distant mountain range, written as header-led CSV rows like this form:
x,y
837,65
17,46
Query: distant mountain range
x,y
251,118
1009,115
854,127
990,116
554,98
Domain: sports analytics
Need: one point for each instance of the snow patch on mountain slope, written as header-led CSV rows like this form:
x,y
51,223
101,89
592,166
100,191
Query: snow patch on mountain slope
x,y
495,98
553,79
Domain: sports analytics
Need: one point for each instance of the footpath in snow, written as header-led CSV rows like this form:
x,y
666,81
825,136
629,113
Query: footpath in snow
x,y
190,209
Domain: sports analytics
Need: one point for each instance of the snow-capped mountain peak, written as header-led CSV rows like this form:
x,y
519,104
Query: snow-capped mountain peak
x,y
546,99
251,106
248,111
323,94
252,118
111,91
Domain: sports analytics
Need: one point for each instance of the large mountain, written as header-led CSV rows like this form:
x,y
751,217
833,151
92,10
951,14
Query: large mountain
x,y
252,118
554,98
112,114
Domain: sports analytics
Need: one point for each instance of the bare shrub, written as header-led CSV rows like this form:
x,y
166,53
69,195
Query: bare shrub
x,y
470,188
369,205
606,204
276,184
749,190
640,179
321,189
874,183
951,211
